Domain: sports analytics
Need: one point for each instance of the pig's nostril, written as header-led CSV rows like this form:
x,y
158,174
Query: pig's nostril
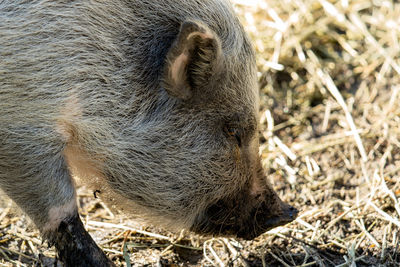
x,y
293,212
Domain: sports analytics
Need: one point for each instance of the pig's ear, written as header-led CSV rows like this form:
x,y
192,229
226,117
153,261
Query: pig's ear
x,y
192,60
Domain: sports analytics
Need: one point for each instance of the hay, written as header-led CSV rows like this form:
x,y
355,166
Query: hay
x,y
330,129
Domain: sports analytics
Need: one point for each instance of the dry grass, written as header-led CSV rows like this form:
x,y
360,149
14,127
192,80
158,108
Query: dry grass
x,y
330,87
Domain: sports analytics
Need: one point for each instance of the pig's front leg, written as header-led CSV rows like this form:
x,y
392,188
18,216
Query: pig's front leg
x,y
34,173
75,246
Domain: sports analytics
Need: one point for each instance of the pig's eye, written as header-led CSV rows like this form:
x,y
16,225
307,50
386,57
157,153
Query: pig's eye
x,y
233,133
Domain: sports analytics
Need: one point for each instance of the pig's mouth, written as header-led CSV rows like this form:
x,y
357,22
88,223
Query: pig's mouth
x,y
268,224
248,227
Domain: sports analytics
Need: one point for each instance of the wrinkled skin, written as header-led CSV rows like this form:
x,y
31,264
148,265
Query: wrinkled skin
x,y
152,103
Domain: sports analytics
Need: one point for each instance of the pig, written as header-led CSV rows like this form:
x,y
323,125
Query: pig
x,y
152,103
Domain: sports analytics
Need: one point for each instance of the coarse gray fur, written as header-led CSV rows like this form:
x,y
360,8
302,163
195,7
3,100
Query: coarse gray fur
x,y
89,80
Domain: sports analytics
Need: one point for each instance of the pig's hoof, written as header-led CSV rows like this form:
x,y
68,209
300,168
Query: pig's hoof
x,y
76,247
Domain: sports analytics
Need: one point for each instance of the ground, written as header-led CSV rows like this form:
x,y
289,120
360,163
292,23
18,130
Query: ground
x,y
330,130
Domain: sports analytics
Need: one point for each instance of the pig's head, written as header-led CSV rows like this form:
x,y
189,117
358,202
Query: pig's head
x,y
206,76
195,161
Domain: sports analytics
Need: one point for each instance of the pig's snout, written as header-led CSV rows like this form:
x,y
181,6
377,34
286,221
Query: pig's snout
x,y
244,220
289,214
263,222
